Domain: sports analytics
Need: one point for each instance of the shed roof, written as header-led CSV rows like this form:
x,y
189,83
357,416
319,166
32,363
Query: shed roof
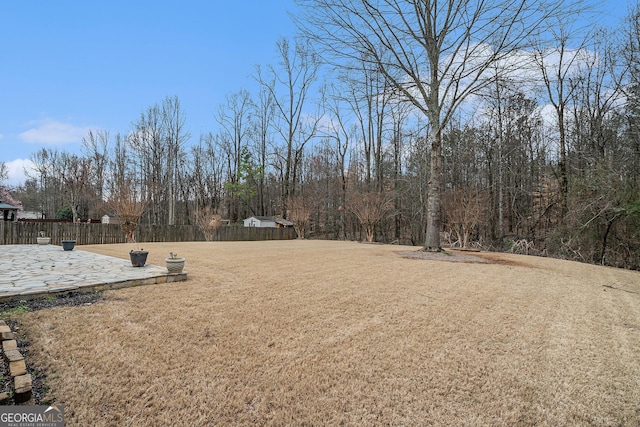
x,y
7,206
264,218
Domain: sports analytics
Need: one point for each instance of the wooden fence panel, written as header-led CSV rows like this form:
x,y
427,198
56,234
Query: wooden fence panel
x,y
254,233
20,233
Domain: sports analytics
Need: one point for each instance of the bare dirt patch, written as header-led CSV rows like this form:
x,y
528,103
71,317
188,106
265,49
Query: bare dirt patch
x,y
448,256
330,333
506,259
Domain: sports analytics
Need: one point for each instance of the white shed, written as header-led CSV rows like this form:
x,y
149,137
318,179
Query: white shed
x,y
110,220
30,215
260,221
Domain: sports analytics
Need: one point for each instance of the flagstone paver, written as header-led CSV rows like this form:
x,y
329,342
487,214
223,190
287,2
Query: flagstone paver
x,y
31,271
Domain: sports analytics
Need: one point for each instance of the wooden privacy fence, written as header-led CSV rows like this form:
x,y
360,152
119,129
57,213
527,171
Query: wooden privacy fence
x,y
20,233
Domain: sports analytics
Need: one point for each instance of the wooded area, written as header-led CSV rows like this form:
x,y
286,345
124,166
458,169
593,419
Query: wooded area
x,y
455,118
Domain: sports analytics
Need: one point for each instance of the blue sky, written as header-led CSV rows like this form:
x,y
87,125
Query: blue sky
x,y
70,66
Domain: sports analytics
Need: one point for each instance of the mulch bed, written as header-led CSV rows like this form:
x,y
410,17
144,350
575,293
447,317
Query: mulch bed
x,y
442,256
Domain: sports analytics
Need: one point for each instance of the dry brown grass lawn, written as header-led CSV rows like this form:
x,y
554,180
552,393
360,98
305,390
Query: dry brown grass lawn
x,y
338,333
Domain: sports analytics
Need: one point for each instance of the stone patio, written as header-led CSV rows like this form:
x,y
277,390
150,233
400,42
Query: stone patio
x,y
36,271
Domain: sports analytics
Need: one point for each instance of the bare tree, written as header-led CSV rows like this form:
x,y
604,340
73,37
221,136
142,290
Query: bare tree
x,y
263,112
435,54
128,203
205,173
300,210
505,136
371,208
158,138
233,139
399,116
465,208
148,156
367,92
96,146
595,93
290,85
124,191
339,133
557,65
50,196
208,221
631,51
75,173
176,135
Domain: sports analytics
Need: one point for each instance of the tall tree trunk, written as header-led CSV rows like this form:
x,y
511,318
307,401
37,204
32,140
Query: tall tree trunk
x,y
432,240
562,164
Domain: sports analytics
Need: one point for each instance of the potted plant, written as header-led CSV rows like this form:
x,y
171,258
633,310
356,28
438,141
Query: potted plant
x,y
138,257
68,245
174,264
42,240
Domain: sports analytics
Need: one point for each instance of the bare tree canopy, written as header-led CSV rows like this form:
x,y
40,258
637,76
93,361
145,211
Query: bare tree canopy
x,y
75,172
288,87
128,204
434,54
207,221
507,125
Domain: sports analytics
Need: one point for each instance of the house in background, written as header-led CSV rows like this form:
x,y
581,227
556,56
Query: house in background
x,y
260,221
108,219
266,222
31,215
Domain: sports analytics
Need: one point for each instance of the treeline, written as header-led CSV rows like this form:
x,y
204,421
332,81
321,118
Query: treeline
x,y
547,165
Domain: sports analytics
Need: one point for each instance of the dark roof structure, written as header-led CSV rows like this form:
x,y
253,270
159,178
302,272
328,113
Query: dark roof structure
x,y
8,212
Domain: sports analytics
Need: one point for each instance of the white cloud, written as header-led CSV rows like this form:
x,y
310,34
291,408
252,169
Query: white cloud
x,y
16,171
52,132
